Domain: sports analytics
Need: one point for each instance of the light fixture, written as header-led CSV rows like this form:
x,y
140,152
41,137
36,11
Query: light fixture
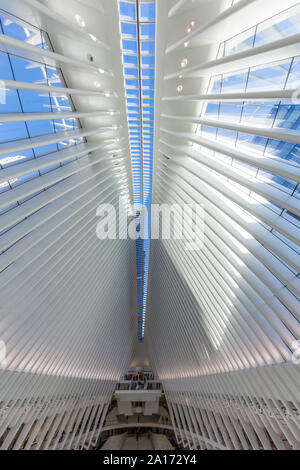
x,y
80,21
190,27
179,88
107,94
101,70
97,84
93,37
186,44
180,76
184,63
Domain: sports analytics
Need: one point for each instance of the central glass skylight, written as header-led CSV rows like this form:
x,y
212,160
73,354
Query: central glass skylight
x,y
138,45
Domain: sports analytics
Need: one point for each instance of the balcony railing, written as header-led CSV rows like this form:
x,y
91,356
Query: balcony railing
x,y
126,385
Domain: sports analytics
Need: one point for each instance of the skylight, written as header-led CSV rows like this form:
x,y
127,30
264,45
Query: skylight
x,y
137,23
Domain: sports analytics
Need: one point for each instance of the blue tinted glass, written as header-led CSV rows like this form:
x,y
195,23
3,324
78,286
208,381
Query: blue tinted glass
x,y
148,93
12,102
127,11
12,131
133,115
45,149
13,158
5,67
147,31
147,101
40,127
147,12
148,47
148,61
14,30
148,73
129,46
148,84
128,30
132,83
34,102
130,60
133,109
132,101
131,72
25,74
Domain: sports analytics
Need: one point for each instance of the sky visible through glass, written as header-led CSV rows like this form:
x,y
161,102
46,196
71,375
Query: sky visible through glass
x,y
25,101
138,44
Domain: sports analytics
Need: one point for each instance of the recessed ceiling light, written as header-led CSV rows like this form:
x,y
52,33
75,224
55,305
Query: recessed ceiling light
x,y
180,76
184,63
93,37
186,44
97,84
190,27
107,94
80,21
179,88
101,70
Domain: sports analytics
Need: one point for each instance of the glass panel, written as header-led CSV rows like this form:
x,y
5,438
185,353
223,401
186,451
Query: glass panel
x,y
128,30
148,61
127,11
148,73
147,11
129,46
130,60
148,47
131,72
147,31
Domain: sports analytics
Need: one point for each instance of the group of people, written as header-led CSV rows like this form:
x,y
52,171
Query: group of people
x,y
139,376
140,385
139,379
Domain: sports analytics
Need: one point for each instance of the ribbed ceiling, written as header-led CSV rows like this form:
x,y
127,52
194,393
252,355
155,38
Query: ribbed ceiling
x,y
174,102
